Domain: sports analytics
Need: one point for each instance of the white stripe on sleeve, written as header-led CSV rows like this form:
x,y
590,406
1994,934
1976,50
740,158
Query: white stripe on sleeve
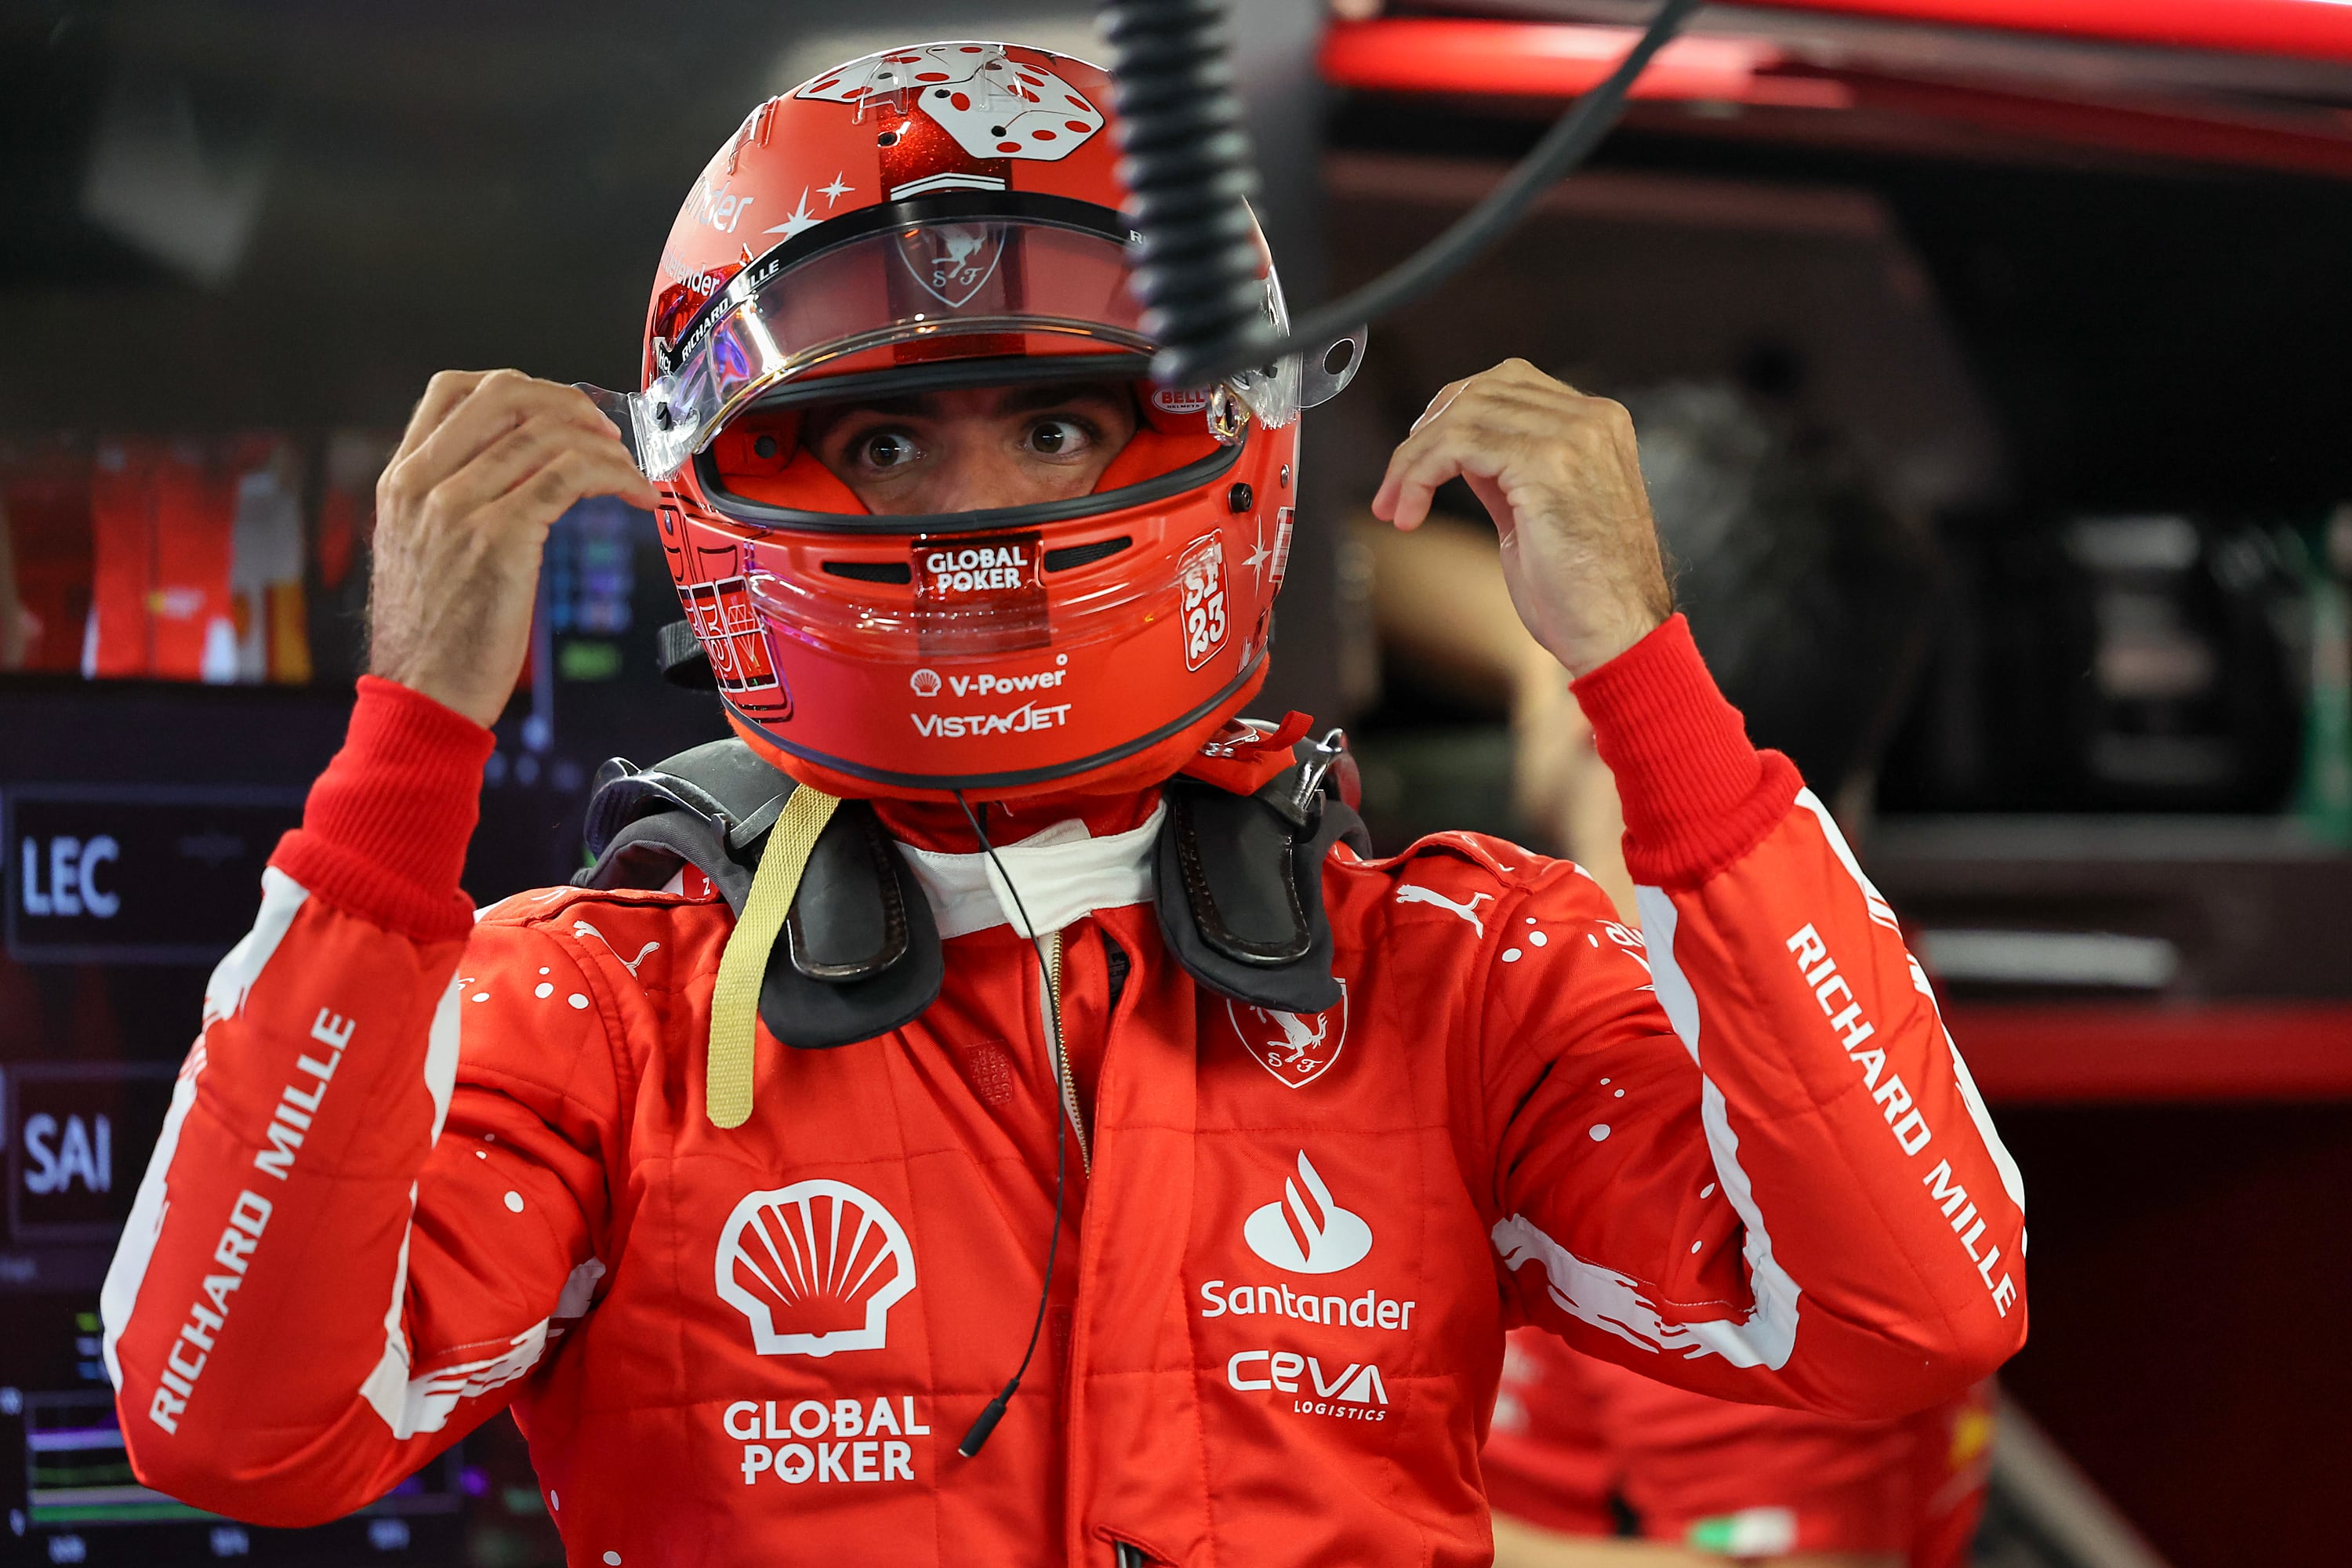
x,y
225,995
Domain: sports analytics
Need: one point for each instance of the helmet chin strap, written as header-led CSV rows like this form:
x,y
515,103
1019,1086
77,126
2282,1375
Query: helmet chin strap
x,y
735,1002
734,1014
977,1436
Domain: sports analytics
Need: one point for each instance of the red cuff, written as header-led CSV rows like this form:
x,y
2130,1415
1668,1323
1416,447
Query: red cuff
x,y
1697,795
385,832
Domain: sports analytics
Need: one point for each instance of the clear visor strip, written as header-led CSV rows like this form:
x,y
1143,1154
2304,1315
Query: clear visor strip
x,y
664,430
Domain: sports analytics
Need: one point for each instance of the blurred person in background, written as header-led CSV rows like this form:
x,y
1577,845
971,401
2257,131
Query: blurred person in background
x,y
745,1167
1810,597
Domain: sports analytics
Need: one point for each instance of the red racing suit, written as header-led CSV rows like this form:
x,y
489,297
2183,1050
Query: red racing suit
x,y
421,1166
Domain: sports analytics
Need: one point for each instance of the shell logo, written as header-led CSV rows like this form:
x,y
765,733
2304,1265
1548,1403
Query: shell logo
x,y
815,1268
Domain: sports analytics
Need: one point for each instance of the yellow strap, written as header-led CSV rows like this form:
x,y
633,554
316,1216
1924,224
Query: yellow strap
x,y
735,1004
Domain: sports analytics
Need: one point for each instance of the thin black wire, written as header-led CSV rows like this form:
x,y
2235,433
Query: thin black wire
x,y
981,1428
1567,144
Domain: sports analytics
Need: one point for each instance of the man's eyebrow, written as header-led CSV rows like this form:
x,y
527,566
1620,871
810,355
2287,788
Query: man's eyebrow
x,y
905,404
1019,400
1029,398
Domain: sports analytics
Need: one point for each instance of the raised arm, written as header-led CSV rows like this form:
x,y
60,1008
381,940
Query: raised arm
x,y
379,1190
376,1199
1745,1157
1799,1197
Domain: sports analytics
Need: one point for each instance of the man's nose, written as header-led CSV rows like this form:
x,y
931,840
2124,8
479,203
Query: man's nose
x,y
989,478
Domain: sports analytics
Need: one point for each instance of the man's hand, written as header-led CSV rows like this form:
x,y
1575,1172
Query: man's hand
x,y
1556,472
491,458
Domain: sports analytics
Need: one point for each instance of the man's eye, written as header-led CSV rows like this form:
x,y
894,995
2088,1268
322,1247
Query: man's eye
x,y
891,450
1059,437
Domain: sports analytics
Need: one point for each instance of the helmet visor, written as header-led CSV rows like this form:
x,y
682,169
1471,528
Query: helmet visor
x,y
1051,281
939,289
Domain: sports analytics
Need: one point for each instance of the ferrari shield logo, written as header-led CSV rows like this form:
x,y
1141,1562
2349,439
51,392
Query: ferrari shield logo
x,y
1295,1047
952,262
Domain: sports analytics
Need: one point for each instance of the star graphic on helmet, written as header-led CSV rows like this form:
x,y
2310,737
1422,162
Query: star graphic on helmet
x,y
800,218
1255,560
834,192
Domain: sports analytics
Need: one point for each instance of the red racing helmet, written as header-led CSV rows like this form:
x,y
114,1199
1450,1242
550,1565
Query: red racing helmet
x,y
942,215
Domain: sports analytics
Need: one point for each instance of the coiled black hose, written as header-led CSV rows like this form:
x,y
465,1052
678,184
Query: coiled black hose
x,y
1188,166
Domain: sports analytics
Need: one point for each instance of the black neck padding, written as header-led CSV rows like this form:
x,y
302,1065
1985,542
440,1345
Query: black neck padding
x,y
1240,889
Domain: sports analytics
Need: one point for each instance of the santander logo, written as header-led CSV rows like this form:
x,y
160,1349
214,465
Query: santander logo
x,y
815,1268
1307,1233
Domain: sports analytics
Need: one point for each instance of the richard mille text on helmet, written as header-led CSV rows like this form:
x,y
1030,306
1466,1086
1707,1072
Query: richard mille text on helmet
x,y
982,605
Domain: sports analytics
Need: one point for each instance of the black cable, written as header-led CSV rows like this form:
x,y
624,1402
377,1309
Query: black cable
x,y
1188,166
1196,273
977,1433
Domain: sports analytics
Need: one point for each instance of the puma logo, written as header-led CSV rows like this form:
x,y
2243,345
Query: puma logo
x,y
581,928
1413,893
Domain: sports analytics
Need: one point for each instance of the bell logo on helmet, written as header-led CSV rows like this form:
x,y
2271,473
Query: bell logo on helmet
x,y
815,1268
1295,1047
1307,1232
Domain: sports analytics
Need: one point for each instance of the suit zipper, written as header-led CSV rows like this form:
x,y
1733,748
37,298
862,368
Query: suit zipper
x,y
1122,1556
1058,1044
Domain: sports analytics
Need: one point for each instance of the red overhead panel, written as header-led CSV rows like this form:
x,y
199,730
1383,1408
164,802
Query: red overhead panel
x,y
2302,29
1549,60
1540,60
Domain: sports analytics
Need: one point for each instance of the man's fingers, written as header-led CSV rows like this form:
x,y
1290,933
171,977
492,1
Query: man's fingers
x,y
1473,436
496,403
1498,505
502,400
1558,473
593,471
491,459
1442,402
1473,426
1401,498
573,474
447,389
1399,501
1423,462
516,456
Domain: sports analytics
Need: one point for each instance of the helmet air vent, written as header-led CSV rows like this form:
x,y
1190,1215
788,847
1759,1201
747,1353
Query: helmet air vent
x,y
1087,554
871,570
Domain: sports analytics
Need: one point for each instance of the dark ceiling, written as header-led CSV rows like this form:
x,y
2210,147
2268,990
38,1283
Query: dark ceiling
x,y
291,214
217,214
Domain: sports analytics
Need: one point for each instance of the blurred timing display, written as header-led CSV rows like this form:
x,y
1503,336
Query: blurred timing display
x,y
136,874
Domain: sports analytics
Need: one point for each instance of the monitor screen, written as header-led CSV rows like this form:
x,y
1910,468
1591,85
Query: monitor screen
x,y
181,623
